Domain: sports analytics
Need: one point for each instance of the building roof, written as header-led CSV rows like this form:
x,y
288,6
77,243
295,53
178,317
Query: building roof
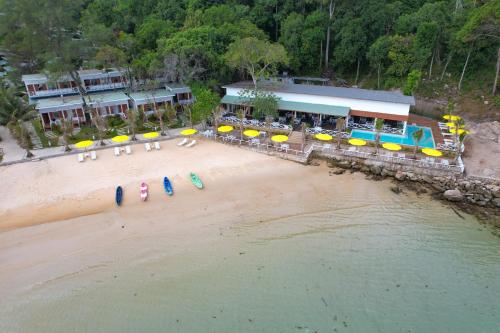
x,y
329,110
146,96
98,73
178,88
106,98
330,91
58,103
34,77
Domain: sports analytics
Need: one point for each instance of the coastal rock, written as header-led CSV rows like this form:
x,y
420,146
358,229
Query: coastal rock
x,y
375,169
338,171
438,187
344,164
387,173
396,189
496,202
400,175
453,195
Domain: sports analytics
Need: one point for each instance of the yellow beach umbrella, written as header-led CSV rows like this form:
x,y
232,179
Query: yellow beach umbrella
x,y
120,138
451,117
450,124
225,129
151,135
84,144
357,142
279,138
432,152
251,133
188,131
460,131
391,146
323,137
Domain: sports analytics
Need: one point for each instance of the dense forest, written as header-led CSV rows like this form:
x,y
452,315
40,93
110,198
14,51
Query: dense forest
x,y
380,44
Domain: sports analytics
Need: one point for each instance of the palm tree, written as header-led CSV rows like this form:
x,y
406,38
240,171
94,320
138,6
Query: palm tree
x,y
13,108
24,138
67,130
99,123
216,116
132,122
303,131
379,123
417,136
340,126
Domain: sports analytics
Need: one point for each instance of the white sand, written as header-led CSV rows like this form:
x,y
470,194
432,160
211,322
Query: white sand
x,y
92,232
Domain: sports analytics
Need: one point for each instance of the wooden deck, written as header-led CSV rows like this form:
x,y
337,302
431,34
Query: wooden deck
x,y
427,122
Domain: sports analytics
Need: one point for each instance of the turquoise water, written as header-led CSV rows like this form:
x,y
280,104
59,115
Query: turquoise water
x,y
407,140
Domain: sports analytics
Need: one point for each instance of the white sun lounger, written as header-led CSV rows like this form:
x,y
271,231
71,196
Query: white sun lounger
x,y
128,150
147,146
183,142
81,158
117,151
192,143
157,145
93,155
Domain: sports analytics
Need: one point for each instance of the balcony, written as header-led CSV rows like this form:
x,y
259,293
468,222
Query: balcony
x,y
108,86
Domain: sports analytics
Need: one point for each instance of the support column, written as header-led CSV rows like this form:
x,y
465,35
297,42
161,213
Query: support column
x,y
404,127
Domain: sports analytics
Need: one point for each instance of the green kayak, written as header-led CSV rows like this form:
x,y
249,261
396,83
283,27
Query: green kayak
x,y
196,180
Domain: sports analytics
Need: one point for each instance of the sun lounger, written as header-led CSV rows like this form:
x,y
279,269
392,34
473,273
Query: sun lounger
x,y
157,145
128,150
81,158
93,155
147,146
183,142
192,143
117,151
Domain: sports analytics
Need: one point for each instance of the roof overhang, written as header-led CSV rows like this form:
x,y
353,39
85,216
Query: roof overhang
x,y
328,110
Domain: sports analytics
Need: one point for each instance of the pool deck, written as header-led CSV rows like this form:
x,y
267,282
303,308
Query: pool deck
x,y
427,122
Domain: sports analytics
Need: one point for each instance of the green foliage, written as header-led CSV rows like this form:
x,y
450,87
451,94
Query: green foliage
x,y
206,101
13,108
265,104
412,82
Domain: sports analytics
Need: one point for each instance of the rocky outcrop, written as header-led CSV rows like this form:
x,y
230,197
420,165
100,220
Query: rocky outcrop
x,y
453,195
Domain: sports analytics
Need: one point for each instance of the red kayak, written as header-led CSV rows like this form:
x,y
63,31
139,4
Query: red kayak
x,y
144,191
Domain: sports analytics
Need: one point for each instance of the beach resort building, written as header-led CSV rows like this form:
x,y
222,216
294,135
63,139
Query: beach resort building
x,y
321,105
57,100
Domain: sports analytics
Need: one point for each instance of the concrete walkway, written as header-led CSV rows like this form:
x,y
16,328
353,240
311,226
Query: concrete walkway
x,y
12,151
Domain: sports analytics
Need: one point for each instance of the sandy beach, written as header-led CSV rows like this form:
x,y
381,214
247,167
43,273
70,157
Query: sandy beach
x,y
268,246
87,228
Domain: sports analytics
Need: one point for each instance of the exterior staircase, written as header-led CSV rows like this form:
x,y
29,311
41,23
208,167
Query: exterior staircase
x,y
35,139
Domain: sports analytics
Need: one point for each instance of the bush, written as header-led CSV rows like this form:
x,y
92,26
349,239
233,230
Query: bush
x,y
114,121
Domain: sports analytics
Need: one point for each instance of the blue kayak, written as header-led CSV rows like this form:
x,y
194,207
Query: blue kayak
x,y
168,186
119,195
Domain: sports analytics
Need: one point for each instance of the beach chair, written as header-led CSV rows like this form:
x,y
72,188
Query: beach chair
x,y
183,142
128,150
81,158
147,146
192,143
93,155
117,151
157,145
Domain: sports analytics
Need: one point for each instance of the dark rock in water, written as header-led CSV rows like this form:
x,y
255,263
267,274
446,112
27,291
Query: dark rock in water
x,y
338,171
396,189
453,195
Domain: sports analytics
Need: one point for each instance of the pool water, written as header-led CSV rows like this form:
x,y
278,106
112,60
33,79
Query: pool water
x,y
427,140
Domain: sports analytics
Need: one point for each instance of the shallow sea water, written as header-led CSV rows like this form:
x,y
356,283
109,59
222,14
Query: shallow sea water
x,y
396,265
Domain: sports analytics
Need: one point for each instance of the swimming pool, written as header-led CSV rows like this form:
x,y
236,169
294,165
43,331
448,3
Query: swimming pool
x,y
427,140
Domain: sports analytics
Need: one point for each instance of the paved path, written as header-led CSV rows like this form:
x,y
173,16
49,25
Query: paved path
x,y
12,151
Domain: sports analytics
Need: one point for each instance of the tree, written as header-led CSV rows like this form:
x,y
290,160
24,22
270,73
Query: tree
x,y
206,101
265,104
412,82
352,45
217,113
379,123
99,123
109,56
483,25
340,126
417,137
24,138
240,113
259,58
67,131
13,108
377,55
170,115
131,120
